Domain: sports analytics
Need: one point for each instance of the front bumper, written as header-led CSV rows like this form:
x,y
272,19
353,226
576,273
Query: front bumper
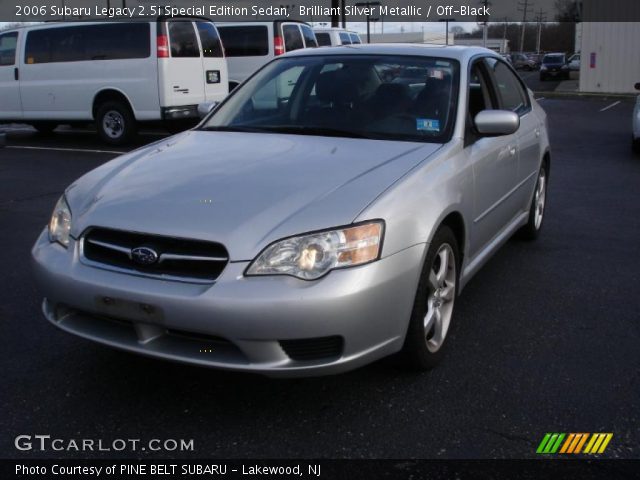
x,y
237,323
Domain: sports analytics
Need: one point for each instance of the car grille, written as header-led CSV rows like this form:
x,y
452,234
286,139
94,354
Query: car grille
x,y
177,258
313,348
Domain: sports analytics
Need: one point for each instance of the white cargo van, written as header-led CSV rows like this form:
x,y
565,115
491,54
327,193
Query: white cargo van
x,y
116,74
249,45
332,37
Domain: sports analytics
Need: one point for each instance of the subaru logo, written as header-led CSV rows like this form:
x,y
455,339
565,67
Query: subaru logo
x,y
144,255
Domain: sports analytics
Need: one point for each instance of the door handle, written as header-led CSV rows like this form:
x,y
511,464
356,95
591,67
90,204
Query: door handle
x,y
16,74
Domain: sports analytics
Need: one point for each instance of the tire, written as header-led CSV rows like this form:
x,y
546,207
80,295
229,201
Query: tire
x,y
44,128
635,145
434,304
542,78
537,209
115,123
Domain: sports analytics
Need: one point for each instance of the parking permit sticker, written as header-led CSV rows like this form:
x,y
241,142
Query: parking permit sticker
x,y
427,125
436,73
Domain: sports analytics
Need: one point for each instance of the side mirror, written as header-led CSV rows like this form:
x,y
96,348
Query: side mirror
x,y
637,86
205,107
497,122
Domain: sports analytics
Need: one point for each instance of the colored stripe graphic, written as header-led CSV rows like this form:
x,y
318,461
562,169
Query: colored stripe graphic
x,y
572,443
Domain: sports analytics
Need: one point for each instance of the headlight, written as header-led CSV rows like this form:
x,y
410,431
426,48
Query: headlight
x,y
60,223
313,255
542,68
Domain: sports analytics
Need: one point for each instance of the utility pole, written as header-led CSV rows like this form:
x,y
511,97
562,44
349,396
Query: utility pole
x,y
485,23
523,7
540,18
335,18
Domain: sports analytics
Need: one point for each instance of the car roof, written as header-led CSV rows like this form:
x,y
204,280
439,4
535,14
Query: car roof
x,y
455,52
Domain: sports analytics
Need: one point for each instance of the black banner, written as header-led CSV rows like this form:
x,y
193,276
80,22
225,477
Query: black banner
x,y
324,10
317,469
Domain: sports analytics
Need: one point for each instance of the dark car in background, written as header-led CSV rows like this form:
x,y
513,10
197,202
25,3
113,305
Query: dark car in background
x,y
554,65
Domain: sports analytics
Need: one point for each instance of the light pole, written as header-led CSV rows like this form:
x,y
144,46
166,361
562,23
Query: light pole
x,y
367,5
446,22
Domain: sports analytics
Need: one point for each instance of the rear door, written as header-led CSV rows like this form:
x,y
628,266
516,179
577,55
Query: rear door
x,y
292,37
180,75
309,37
214,65
10,104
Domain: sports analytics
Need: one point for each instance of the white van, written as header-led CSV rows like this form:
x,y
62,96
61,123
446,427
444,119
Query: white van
x,y
249,45
116,74
332,37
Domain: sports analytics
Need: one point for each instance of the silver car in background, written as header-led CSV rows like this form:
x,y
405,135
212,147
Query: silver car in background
x,y
307,226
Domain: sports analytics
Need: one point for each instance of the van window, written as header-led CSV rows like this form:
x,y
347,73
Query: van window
x,y
209,39
245,41
108,41
292,38
309,37
354,38
324,39
183,40
344,38
8,43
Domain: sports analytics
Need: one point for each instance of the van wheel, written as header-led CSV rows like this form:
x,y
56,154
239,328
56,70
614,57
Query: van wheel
x,y
115,123
44,128
433,305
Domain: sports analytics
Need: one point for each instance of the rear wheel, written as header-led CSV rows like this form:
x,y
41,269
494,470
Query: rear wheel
x,y
433,305
44,128
536,212
115,123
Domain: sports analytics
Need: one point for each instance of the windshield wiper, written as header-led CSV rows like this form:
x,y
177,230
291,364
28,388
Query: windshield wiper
x,y
234,128
321,131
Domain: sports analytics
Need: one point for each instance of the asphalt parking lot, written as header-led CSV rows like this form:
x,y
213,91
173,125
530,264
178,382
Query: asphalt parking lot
x,y
546,336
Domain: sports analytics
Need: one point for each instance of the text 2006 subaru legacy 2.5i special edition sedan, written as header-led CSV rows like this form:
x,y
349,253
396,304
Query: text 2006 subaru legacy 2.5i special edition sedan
x,y
325,215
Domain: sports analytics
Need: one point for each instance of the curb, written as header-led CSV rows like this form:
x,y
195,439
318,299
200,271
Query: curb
x,y
584,95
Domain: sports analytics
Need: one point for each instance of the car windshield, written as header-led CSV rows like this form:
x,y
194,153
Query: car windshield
x,y
359,96
553,59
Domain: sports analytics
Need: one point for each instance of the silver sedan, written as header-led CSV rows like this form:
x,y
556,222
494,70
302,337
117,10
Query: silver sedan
x,y
325,215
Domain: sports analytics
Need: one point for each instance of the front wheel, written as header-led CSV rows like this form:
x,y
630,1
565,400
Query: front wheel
x,y
433,305
115,123
537,209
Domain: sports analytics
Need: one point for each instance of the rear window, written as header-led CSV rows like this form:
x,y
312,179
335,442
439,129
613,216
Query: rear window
x,y
8,43
324,40
292,38
211,46
182,40
109,41
354,38
245,41
344,38
309,37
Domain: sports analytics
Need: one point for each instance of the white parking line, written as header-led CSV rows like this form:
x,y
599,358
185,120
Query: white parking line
x,y
610,106
60,149
539,98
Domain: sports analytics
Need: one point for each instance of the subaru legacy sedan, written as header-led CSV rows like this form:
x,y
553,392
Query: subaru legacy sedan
x,y
322,217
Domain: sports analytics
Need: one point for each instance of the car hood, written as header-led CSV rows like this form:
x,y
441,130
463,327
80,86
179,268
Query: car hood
x,y
243,190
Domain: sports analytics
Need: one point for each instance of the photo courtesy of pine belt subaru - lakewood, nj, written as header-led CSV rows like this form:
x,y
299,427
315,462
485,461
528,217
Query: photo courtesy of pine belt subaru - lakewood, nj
x,y
325,215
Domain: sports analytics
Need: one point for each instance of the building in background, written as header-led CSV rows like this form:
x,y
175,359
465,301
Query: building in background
x,y
610,61
438,38
500,45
